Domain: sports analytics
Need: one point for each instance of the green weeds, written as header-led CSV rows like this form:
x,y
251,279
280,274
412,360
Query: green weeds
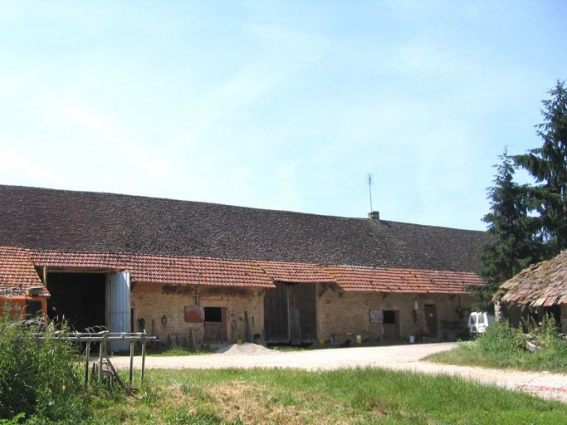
x,y
360,396
504,346
38,378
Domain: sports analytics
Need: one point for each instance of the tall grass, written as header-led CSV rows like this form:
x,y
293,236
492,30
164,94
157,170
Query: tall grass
x,y
504,346
39,379
350,396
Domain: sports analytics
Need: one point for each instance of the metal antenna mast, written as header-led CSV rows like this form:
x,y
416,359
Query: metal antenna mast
x,y
369,181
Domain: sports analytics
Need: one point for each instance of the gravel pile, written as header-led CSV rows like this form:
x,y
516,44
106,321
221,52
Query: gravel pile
x,y
246,349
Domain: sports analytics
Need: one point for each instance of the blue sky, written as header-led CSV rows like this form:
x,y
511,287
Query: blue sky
x,y
279,105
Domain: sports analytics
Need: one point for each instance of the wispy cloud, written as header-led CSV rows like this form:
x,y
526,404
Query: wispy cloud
x,y
15,169
132,152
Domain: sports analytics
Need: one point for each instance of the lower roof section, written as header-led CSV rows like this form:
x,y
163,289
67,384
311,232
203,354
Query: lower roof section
x,y
17,267
363,279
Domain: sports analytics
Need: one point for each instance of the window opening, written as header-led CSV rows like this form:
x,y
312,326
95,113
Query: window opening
x,y
390,317
213,314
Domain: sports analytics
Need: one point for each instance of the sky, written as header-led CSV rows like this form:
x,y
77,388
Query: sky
x,y
284,105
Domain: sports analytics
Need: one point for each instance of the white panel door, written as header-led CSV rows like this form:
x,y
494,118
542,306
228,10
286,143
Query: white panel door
x,y
120,306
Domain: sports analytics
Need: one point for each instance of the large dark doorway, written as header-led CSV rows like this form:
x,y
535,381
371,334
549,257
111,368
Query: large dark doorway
x,y
77,298
289,314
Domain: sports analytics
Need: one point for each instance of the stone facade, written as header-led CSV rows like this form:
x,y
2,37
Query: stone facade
x,y
344,315
162,308
341,316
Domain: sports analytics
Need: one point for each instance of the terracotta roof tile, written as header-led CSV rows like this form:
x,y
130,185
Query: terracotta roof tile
x,y
223,272
361,279
157,269
295,272
17,269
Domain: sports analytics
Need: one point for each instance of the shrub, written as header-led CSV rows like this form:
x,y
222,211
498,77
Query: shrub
x,y
503,346
39,378
501,338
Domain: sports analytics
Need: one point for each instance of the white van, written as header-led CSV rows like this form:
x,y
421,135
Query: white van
x,y
479,322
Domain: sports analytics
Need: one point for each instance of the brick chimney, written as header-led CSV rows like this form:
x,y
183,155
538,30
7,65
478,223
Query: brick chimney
x,y
374,215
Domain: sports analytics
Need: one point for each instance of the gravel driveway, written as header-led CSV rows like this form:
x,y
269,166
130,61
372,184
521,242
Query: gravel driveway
x,y
398,357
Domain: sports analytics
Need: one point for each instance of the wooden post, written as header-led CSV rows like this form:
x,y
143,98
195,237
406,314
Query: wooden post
x,y
131,361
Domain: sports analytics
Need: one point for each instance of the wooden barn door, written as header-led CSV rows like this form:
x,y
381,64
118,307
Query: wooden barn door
x,y
276,315
430,320
289,314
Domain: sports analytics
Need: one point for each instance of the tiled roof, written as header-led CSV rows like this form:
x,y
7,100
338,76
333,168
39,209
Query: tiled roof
x,y
57,220
199,271
295,272
81,260
542,284
17,269
363,279
170,270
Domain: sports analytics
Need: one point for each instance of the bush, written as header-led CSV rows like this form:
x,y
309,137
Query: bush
x,y
39,378
501,338
503,346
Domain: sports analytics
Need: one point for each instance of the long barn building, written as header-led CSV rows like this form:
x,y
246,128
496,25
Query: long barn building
x,y
197,273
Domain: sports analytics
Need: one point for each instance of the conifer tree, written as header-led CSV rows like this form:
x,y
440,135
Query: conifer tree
x,y
528,223
513,245
548,167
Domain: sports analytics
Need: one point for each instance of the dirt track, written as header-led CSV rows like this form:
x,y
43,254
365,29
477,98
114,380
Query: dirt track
x,y
399,357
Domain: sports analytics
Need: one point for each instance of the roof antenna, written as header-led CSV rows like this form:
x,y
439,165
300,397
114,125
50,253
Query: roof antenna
x,y
369,182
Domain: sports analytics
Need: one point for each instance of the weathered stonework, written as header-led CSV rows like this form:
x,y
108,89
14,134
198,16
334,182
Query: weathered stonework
x,y
341,316
162,308
344,315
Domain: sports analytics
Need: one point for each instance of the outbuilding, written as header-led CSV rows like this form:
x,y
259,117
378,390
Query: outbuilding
x,y
536,291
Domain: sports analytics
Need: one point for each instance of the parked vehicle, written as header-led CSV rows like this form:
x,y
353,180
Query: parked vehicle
x,y
23,304
479,322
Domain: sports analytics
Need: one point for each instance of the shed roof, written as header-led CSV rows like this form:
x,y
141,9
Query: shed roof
x,y
262,274
17,269
363,279
162,270
58,220
541,284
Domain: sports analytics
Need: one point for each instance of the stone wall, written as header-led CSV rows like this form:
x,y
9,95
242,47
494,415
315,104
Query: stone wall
x,y
162,308
344,315
341,316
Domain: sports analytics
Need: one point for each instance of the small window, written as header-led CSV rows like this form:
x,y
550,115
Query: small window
x,y
33,309
390,317
213,314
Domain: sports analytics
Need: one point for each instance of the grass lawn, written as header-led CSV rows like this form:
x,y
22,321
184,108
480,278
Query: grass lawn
x,y
337,397
468,354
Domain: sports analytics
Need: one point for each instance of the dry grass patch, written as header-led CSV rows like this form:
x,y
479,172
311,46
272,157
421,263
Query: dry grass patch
x,y
252,403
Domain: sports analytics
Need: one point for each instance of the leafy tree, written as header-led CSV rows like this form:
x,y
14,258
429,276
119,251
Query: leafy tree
x,y
528,223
